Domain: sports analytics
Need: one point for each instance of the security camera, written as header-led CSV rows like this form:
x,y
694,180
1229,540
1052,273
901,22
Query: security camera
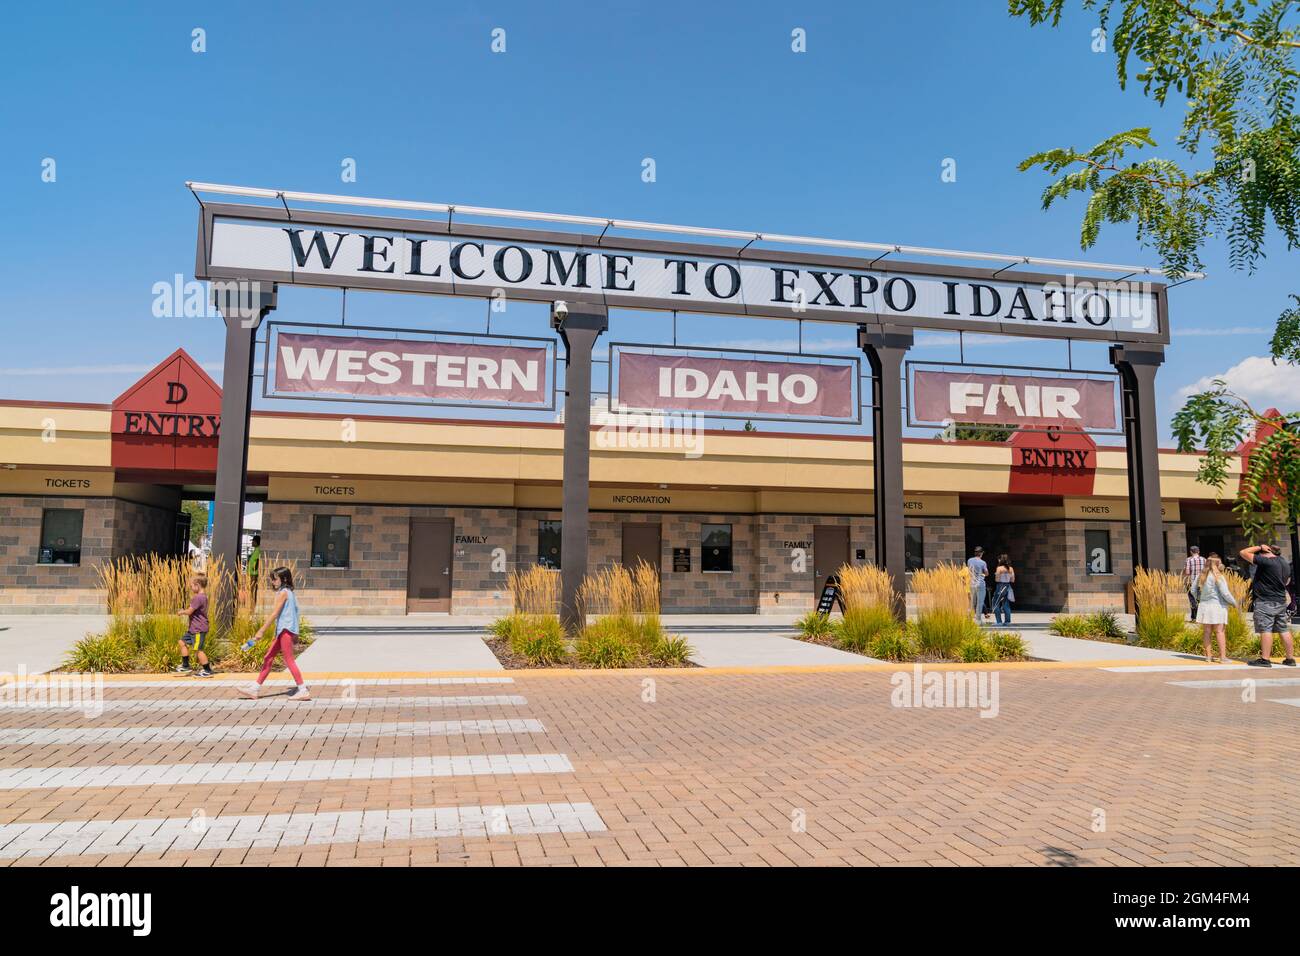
x,y
560,309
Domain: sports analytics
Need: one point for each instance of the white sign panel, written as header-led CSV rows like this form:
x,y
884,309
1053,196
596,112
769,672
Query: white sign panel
x,y
530,270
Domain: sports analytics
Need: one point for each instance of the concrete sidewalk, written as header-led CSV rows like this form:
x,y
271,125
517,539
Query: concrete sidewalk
x,y
454,642
369,651
37,643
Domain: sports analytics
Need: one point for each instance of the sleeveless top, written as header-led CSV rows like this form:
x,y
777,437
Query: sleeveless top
x,y
288,619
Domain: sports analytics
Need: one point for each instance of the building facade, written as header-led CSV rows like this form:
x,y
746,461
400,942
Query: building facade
x,y
390,515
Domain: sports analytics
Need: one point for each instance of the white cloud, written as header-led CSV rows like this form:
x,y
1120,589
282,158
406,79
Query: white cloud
x,y
1257,380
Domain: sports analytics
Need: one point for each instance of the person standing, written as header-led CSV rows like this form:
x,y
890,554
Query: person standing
x,y
254,568
978,572
284,618
1269,593
1004,576
1192,569
1213,598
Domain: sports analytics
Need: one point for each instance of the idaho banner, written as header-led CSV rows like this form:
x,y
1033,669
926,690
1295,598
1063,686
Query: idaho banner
x,y
727,386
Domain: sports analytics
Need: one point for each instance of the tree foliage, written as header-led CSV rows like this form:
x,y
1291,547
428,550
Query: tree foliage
x,y
1218,421
1237,76
1232,65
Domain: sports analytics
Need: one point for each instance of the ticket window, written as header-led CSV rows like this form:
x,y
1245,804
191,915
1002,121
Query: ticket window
x,y
331,541
1096,546
715,551
914,547
549,539
60,536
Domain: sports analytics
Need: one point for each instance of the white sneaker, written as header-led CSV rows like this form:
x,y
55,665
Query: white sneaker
x,y
250,691
302,693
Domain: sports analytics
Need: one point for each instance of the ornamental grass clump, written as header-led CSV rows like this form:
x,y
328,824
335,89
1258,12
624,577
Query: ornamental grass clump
x,y
944,620
1158,625
1069,625
870,605
144,595
1239,631
625,628
813,626
533,630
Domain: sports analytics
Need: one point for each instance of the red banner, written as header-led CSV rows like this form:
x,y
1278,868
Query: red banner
x,y
728,386
410,368
1025,400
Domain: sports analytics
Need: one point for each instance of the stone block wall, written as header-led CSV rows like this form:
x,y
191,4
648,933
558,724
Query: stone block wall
x,y
110,529
375,581
693,592
142,529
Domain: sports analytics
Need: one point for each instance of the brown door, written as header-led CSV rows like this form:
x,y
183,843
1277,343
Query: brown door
x,y
830,552
641,542
429,568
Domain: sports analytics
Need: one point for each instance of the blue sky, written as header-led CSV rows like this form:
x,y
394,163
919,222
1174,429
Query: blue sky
x,y
845,140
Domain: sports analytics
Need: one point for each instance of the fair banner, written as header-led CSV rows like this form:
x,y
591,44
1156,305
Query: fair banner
x,y
1025,400
735,386
398,369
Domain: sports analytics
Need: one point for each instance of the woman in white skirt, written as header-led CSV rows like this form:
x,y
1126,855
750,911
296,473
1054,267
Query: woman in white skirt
x,y
1213,597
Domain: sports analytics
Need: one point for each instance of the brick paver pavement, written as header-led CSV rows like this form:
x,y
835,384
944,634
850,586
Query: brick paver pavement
x,y
1079,767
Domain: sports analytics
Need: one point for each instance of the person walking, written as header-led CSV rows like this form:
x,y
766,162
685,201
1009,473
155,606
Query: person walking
x,y
1192,569
1213,598
196,632
978,572
284,619
1270,597
1004,576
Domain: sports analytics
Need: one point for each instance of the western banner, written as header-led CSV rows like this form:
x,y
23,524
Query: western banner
x,y
395,368
1024,400
733,386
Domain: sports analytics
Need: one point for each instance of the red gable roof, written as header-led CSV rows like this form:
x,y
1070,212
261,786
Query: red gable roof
x,y
169,419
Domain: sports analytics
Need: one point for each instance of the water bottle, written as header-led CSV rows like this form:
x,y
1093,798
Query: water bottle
x,y
248,644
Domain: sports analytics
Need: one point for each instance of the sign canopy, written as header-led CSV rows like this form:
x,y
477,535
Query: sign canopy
x,y
357,251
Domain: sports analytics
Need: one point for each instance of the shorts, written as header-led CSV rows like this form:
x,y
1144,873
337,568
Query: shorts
x,y
190,639
1272,617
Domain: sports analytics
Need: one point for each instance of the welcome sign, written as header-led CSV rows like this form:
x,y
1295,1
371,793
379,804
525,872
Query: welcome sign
x,y
733,386
358,257
394,368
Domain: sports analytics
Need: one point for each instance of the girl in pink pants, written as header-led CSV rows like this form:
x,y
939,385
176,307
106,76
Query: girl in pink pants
x,y
284,619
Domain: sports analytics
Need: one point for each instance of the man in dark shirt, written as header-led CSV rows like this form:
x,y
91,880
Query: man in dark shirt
x,y
1269,592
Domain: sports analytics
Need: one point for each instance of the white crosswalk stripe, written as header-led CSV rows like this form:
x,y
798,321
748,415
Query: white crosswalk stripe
x,y
347,716
183,681
280,771
184,704
1257,681
41,736
80,838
